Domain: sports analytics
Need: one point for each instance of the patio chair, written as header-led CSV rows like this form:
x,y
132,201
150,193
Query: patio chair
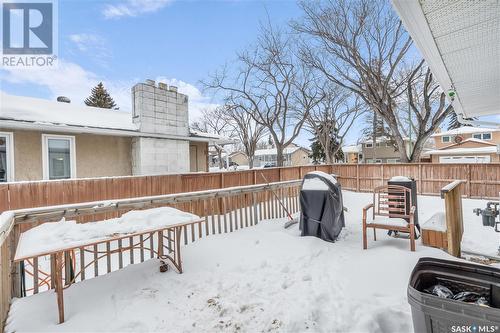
x,y
389,212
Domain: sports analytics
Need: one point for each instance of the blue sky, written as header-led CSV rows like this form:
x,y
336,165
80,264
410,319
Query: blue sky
x,y
123,42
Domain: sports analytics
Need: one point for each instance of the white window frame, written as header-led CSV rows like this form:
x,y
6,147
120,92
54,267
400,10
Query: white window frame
x,y
45,153
368,145
482,136
446,136
9,144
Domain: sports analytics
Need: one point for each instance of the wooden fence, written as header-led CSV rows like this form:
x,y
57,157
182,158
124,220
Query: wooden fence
x,y
479,181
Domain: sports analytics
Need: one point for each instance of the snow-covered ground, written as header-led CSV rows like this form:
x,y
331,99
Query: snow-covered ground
x,y
261,278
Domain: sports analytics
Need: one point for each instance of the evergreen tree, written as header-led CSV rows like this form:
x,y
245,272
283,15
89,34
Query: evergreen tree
x,y
318,154
99,97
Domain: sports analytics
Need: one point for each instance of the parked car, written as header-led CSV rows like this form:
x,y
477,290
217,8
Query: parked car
x,y
270,165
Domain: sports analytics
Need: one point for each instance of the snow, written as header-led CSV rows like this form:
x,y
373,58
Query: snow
x,y
272,151
261,278
400,179
314,184
437,222
352,149
56,113
52,236
5,220
331,178
465,130
317,184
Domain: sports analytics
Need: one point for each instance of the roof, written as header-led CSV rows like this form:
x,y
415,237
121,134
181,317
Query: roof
x,y
382,139
352,149
460,41
219,139
20,112
42,111
466,130
272,151
461,151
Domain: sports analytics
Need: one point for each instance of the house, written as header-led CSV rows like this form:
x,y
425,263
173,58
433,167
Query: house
x,y
42,139
353,154
383,152
238,157
293,155
466,145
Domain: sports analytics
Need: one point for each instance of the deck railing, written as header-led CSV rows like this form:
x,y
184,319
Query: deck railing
x,y
223,211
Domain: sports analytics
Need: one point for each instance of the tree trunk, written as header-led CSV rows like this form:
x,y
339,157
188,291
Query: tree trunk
x,y
250,161
279,155
219,156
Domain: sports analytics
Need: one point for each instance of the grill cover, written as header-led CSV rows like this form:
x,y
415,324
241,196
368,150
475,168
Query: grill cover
x,y
321,206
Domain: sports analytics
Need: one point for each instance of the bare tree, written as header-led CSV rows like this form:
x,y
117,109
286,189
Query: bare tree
x,y
246,129
272,86
332,118
428,108
360,45
215,121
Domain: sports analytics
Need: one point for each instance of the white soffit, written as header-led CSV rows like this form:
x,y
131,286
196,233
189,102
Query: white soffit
x,y
460,40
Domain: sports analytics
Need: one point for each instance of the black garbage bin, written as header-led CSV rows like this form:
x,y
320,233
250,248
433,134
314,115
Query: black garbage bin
x,y
412,185
435,314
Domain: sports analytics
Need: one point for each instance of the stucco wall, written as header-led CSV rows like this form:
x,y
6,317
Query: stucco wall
x,y
239,158
198,156
96,155
383,152
300,157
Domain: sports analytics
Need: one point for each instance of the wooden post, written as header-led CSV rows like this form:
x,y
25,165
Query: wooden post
x,y
59,285
357,177
419,189
15,269
452,196
469,184
382,174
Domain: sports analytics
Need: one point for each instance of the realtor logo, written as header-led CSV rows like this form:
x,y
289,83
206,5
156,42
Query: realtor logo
x,y
28,33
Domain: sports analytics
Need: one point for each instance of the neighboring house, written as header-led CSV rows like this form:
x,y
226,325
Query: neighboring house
x,y
293,156
384,151
353,154
42,139
239,158
466,145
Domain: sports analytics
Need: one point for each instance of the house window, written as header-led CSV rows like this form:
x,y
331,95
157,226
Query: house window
x,y
482,136
6,157
445,139
369,145
58,157
393,160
